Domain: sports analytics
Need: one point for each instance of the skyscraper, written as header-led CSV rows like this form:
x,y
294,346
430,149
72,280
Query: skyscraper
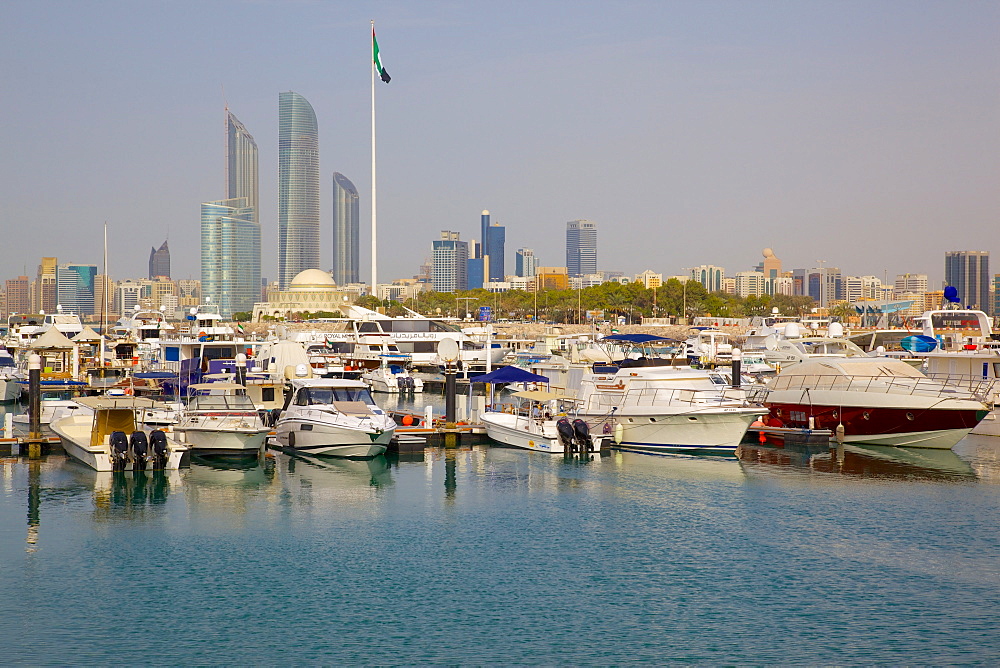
x,y
230,228
230,255
969,272
346,231
450,263
75,287
159,261
525,262
496,236
581,247
298,188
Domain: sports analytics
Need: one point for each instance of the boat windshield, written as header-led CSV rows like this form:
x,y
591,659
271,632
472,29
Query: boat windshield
x,y
311,396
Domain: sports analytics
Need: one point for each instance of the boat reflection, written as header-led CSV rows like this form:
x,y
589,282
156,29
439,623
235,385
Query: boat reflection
x,y
864,461
677,466
309,479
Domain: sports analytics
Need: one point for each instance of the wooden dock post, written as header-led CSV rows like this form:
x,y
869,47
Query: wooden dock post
x,y
35,439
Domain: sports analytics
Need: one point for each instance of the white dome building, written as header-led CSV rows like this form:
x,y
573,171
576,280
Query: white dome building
x,y
311,291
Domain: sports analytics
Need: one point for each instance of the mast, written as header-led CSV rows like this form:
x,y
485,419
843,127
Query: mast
x,y
104,300
374,243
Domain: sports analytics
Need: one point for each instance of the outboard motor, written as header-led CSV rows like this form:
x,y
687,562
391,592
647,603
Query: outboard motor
x,y
139,445
582,430
275,414
566,434
119,450
158,443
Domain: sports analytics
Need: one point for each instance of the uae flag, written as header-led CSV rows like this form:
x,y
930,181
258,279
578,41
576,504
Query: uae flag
x,y
378,61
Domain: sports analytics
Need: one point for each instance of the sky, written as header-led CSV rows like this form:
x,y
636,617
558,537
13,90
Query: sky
x,y
861,135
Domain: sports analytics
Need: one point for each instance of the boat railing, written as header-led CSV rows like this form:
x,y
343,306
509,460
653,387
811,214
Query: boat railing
x,y
984,389
944,386
664,396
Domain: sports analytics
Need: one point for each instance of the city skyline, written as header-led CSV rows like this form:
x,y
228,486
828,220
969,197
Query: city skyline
x,y
863,136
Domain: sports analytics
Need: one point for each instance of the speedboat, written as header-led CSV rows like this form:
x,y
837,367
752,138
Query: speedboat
x,y
669,408
393,376
332,417
11,378
106,434
220,419
532,424
875,401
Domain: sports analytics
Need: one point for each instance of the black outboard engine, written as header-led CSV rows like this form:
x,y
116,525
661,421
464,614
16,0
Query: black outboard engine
x,y
583,438
119,450
158,443
275,414
566,434
139,445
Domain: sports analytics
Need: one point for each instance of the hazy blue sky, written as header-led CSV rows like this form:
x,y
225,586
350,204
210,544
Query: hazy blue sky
x,y
865,134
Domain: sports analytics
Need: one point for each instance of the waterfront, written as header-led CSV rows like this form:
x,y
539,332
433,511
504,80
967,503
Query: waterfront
x,y
491,555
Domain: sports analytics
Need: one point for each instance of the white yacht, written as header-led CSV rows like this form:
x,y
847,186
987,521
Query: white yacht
x,y
669,408
106,434
392,376
220,419
10,378
332,417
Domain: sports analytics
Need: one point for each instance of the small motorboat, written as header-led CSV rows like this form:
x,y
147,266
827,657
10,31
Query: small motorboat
x,y
392,376
332,417
107,434
220,419
538,422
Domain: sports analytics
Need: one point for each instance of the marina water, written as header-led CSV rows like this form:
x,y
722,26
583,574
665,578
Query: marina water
x,y
488,555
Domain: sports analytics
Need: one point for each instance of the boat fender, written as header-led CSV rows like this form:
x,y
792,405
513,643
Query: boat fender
x,y
840,433
407,420
619,433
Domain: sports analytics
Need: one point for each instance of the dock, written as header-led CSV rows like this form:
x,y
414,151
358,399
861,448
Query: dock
x,y
412,433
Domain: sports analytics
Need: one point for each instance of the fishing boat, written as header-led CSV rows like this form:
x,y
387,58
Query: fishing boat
x,y
220,419
538,422
332,417
106,434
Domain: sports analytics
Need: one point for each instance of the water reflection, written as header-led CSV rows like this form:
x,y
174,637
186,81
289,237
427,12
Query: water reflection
x,y
865,461
306,480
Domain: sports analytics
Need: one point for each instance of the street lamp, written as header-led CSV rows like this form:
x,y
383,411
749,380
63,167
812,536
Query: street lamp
x,y
468,316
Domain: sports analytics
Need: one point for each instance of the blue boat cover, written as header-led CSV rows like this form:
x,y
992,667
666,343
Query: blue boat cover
x,y
509,374
918,343
635,338
155,374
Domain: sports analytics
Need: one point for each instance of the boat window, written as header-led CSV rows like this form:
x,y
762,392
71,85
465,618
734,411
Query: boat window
x,y
368,327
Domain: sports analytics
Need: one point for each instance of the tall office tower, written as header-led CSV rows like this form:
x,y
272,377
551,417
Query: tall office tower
x,y
451,259
298,188
496,236
75,287
484,224
159,261
710,276
525,262
104,295
346,231
581,247
44,295
230,229
17,296
230,255
825,285
969,272
127,296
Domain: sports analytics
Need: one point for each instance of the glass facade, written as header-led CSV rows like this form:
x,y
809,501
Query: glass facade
x,y
969,273
298,188
581,247
346,231
75,287
159,261
242,176
230,255
451,263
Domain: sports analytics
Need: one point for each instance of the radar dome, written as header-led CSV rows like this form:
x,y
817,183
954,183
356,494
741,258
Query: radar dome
x,y
768,252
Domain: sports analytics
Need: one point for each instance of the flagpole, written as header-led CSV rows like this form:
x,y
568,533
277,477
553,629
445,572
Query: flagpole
x,y
374,242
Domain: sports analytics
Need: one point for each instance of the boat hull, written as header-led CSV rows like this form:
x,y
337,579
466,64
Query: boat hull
x,y
324,439
74,433
529,433
917,426
233,443
716,430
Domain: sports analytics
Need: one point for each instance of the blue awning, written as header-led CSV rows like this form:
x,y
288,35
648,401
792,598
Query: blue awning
x,y
509,374
636,338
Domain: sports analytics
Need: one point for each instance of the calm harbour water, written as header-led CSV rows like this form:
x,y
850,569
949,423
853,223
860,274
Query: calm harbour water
x,y
488,555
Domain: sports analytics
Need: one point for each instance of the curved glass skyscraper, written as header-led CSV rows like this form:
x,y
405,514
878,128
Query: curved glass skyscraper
x,y
346,230
298,187
230,229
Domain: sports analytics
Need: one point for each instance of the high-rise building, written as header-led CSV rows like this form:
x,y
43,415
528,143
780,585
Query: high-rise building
x,y
969,273
346,231
75,287
44,294
911,283
750,283
824,284
525,262
127,296
581,247
230,255
17,296
298,188
230,230
709,275
450,263
159,261
496,236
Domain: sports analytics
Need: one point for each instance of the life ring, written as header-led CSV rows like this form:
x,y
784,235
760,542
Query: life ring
x,y
129,391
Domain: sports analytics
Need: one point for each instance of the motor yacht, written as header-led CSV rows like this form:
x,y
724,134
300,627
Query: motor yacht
x,y
332,417
220,419
542,421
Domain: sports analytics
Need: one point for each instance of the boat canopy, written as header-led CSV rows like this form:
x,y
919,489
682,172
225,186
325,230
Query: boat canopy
x,y
509,374
637,338
540,395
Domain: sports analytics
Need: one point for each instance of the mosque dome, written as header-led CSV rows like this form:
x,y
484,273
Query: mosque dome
x,y
312,279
